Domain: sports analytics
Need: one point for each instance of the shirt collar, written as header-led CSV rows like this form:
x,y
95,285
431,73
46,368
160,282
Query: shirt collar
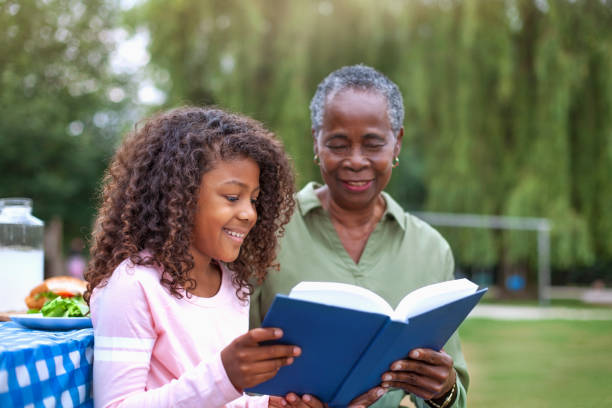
x,y
307,198
307,201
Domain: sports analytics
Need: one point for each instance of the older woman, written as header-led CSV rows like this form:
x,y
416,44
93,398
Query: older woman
x,y
348,230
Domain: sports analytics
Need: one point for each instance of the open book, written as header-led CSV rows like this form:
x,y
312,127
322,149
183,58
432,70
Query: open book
x,y
349,335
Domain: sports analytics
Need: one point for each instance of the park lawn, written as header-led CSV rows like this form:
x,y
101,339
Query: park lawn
x,y
544,363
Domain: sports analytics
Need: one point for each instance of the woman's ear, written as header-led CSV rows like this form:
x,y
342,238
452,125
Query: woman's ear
x,y
398,142
315,147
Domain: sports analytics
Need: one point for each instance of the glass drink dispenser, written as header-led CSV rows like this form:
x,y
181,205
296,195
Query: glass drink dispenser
x,y
21,253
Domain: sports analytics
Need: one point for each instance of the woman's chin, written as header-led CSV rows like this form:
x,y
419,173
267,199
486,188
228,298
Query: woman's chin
x,y
355,202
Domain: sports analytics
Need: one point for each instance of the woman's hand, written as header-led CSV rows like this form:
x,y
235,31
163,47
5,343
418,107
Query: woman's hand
x,y
247,363
427,373
368,398
293,400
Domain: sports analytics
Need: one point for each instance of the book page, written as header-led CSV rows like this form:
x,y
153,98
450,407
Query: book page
x,y
342,295
429,297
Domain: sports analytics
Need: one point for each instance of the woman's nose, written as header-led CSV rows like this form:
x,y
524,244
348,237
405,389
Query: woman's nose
x,y
357,160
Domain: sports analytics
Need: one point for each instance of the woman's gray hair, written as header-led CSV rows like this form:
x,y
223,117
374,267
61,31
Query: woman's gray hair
x,y
359,77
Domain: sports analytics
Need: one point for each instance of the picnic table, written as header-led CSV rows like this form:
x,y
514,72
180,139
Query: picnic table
x,y
40,368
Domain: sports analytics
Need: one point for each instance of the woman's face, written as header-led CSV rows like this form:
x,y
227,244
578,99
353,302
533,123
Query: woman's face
x,y
356,147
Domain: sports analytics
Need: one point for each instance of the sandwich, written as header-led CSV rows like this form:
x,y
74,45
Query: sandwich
x,y
52,288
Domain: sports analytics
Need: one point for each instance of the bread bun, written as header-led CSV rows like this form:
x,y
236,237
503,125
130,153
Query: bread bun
x,y
61,285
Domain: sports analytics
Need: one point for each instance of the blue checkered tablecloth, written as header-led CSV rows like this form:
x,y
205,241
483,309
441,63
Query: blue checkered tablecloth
x,y
45,368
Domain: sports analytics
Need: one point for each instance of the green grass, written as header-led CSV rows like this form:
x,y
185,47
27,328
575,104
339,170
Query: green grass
x,y
573,303
547,363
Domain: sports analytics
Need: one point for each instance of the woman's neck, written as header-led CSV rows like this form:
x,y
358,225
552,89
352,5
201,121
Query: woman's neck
x,y
352,226
353,218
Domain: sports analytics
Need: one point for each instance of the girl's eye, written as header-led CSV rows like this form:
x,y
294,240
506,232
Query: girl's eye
x,y
253,201
231,198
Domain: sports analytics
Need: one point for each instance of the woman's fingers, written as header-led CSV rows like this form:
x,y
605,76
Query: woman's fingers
x,y
411,388
431,357
412,370
368,398
426,373
422,386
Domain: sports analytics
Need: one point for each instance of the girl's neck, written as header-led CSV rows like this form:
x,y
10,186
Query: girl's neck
x,y
207,274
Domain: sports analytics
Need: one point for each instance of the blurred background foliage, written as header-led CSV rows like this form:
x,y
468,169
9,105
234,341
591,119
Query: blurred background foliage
x,y
58,123
508,102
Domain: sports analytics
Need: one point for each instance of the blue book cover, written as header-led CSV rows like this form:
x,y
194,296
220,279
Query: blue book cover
x,y
345,351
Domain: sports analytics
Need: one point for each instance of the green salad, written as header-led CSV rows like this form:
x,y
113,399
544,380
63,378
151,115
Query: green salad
x,y
64,307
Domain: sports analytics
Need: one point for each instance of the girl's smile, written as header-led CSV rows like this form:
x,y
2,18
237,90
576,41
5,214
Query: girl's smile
x,y
235,235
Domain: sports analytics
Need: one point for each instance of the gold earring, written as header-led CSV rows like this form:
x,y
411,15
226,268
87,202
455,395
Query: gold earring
x,y
396,162
316,160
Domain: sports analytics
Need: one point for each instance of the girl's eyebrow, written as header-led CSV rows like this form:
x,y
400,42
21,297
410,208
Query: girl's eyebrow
x,y
239,184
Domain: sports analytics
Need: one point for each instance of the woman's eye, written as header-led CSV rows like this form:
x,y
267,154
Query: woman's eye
x,y
374,146
337,147
253,201
231,198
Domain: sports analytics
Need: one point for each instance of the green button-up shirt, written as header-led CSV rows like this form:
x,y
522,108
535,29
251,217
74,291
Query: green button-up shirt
x,y
403,253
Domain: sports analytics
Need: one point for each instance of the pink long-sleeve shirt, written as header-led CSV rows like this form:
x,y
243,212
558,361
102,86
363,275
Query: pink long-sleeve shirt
x,y
152,349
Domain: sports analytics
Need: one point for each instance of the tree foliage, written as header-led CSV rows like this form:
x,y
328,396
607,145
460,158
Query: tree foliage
x,y
57,124
508,101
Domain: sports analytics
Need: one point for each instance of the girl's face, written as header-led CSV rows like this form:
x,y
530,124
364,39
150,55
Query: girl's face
x,y
226,210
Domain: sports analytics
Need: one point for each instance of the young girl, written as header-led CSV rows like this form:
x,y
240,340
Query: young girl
x,y
193,203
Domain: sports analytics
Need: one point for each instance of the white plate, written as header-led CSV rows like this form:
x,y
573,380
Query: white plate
x,y
38,321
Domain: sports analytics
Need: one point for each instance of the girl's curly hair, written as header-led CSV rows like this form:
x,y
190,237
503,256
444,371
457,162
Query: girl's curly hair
x,y
150,190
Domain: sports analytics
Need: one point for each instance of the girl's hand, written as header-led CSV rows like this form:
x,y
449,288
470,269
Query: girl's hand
x,y
427,373
248,364
276,402
306,401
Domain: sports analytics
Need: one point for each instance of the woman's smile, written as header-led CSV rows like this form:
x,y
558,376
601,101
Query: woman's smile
x,y
357,186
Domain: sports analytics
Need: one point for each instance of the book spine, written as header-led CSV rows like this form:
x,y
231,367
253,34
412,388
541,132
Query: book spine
x,y
366,374
332,340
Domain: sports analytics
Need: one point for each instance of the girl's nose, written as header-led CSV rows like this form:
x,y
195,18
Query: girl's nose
x,y
247,211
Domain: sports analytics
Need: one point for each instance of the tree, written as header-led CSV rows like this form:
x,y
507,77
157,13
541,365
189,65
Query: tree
x,y
508,103
60,106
